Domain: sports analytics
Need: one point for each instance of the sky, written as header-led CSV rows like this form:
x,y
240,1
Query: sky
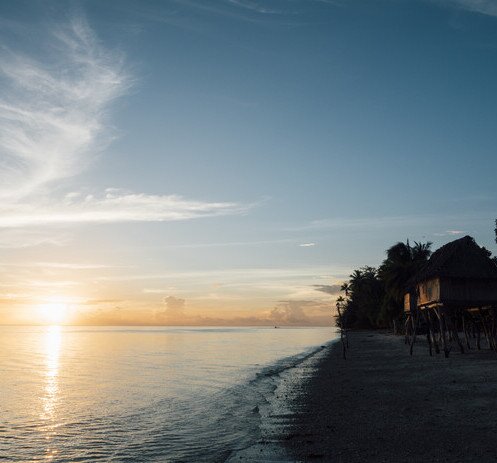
x,y
202,162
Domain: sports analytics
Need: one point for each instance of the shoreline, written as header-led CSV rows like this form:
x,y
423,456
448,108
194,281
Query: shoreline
x,y
276,410
382,405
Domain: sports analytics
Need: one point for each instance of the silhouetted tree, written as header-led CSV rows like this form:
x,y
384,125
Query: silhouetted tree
x,y
363,295
402,263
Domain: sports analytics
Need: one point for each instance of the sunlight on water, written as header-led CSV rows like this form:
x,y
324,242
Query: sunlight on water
x,y
113,394
52,345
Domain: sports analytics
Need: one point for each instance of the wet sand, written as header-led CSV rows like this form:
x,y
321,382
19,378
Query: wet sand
x,y
382,405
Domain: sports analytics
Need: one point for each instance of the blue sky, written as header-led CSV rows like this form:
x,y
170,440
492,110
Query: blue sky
x,y
210,161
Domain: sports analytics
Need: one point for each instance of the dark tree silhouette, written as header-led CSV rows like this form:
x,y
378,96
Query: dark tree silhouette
x,y
374,298
402,263
363,295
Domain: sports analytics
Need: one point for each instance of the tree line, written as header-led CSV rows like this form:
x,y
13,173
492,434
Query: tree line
x,y
374,297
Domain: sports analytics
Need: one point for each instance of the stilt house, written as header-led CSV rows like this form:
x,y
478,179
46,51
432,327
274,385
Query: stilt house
x,y
456,291
458,275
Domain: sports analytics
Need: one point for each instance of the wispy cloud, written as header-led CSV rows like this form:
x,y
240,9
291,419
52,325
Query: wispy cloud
x,y
241,274
114,206
257,7
53,121
307,245
329,289
158,290
383,222
59,265
192,14
52,112
282,241
486,7
455,232
450,233
16,238
359,222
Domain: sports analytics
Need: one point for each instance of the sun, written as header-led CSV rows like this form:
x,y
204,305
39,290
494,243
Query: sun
x,y
53,313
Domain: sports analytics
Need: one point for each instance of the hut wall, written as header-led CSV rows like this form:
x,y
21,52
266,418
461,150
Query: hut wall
x,y
468,291
429,291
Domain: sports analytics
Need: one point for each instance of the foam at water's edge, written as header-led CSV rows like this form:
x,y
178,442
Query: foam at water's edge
x,y
285,378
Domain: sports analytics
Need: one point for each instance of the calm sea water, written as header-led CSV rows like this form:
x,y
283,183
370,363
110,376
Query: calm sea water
x,y
119,394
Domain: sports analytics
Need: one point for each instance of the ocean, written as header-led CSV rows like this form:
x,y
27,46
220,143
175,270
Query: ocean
x,y
142,394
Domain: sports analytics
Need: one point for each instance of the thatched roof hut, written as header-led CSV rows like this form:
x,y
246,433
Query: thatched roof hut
x,y
459,274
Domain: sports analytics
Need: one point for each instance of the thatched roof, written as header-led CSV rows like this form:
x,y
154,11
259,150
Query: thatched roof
x,y
461,258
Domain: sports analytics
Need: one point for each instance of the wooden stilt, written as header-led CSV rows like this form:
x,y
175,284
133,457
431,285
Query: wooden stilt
x,y
414,331
433,332
452,327
464,328
478,334
494,327
443,332
428,331
407,328
485,328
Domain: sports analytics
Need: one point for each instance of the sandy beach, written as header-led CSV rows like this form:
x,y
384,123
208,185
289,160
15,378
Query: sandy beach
x,y
382,405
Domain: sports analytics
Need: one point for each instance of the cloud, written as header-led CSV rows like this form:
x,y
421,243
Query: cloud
x,y
53,123
52,112
254,6
192,14
100,301
307,245
369,224
301,313
114,206
16,238
450,233
156,290
174,311
365,223
485,7
175,306
230,243
249,275
291,312
328,289
59,265
297,312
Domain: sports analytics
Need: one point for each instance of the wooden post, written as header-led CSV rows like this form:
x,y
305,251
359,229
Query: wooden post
x,y
492,327
452,326
433,332
339,302
485,328
478,337
464,328
443,332
415,330
407,328
428,331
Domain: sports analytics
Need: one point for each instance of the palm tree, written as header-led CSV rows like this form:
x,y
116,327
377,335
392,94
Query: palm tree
x,y
402,263
364,293
345,288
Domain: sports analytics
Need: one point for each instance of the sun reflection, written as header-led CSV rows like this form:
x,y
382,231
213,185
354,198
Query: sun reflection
x,y
52,342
